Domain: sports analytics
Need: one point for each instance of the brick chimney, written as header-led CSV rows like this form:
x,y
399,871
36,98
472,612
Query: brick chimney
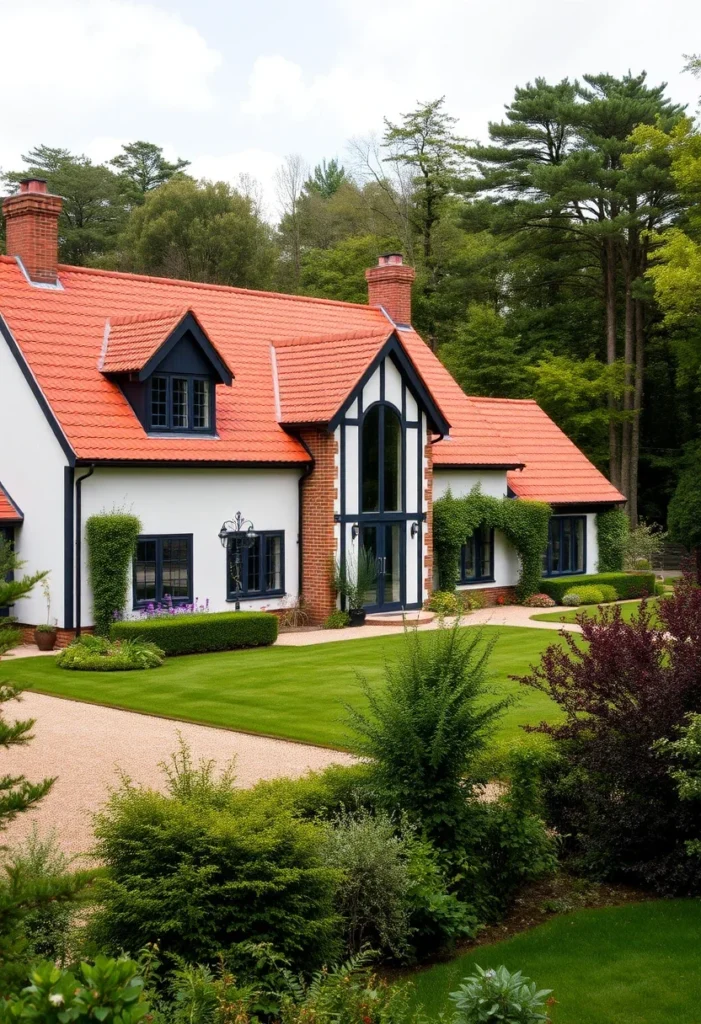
x,y
31,218
389,286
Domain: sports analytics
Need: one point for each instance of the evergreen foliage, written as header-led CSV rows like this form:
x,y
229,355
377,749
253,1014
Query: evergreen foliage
x,y
626,585
612,529
205,631
111,538
523,522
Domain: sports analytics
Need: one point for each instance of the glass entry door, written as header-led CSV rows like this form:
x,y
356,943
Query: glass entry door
x,y
384,543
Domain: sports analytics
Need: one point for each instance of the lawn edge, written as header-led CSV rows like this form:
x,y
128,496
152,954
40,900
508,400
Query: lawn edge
x,y
185,720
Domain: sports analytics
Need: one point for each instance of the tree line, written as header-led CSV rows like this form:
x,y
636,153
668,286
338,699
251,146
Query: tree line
x,y
560,260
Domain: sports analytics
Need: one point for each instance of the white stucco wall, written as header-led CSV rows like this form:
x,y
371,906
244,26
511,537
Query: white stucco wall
x,y
198,501
592,544
31,469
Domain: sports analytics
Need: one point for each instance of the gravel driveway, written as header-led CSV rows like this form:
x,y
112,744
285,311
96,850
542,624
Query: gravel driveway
x,y
85,745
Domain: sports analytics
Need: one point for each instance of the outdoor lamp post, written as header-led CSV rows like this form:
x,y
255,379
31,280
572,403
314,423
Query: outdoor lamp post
x,y
242,530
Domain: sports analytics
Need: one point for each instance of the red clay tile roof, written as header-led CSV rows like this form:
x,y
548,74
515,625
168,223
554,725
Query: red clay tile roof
x,y
555,470
9,513
321,349
130,341
315,375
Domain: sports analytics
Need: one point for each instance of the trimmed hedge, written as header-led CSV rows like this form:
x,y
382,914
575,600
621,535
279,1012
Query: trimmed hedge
x,y
194,634
627,585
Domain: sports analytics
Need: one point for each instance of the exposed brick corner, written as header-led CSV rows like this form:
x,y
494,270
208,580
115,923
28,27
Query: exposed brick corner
x,y
319,493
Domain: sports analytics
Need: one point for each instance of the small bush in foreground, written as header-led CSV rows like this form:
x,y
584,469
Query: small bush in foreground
x,y
444,602
608,592
571,600
627,585
98,654
111,991
539,601
337,620
193,634
587,594
373,893
207,867
499,997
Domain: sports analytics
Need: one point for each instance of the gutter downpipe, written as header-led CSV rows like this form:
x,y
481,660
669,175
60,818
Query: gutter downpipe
x,y
306,472
79,545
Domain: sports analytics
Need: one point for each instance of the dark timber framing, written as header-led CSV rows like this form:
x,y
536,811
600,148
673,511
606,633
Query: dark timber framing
x,y
380,518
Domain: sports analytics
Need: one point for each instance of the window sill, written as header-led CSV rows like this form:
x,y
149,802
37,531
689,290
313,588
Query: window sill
x,y
270,595
476,581
568,572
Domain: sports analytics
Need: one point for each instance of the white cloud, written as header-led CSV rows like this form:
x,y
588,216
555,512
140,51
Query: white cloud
x,y
70,58
259,164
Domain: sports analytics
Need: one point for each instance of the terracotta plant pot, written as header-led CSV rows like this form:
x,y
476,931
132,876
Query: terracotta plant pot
x,y
45,639
357,616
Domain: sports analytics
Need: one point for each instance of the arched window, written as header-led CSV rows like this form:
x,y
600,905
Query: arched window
x,y
381,480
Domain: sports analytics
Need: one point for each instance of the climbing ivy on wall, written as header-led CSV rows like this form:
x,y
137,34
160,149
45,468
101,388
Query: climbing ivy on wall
x,y
612,528
111,540
524,523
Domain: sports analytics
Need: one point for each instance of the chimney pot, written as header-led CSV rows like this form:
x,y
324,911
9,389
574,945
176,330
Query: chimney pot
x,y
33,185
389,286
31,219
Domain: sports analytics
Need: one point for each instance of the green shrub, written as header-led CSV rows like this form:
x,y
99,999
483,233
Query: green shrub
x,y
111,538
336,620
98,654
321,795
444,602
208,866
660,589
208,631
539,601
108,990
612,528
438,915
425,728
608,592
571,600
373,893
39,862
499,997
628,585
587,594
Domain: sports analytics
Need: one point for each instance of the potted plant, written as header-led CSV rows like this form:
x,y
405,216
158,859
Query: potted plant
x,y
353,579
45,634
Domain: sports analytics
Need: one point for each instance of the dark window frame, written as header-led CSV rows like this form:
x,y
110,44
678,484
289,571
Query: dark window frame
x,y
559,521
158,539
381,510
477,539
262,537
169,428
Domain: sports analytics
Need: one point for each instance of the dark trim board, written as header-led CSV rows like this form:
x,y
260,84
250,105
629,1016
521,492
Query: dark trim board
x,y
188,464
37,392
188,324
68,549
441,466
395,349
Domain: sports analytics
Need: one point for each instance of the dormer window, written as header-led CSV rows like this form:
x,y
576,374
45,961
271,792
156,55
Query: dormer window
x,y
168,369
183,404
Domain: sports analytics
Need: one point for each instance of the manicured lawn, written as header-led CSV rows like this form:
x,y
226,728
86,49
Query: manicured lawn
x,y
628,610
637,964
294,692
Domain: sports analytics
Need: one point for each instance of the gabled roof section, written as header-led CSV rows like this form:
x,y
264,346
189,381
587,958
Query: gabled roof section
x,y
9,511
555,469
318,376
137,344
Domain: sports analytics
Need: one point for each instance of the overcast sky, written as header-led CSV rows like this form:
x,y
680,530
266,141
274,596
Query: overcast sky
x,y
235,86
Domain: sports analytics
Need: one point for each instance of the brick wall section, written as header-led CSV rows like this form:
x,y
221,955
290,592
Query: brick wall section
x,y
319,492
428,526
491,595
390,287
63,636
32,232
